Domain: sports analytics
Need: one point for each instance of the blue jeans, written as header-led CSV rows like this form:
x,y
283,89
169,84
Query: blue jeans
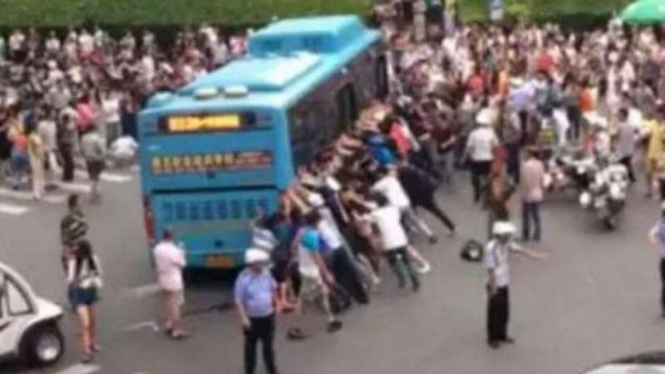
x,y
20,166
530,214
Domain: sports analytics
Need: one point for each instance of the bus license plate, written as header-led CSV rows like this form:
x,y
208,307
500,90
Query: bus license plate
x,y
224,262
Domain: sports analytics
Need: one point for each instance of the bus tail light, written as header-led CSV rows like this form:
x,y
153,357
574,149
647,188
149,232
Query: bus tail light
x,y
148,220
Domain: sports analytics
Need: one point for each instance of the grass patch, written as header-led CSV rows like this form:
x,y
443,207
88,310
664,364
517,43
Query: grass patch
x,y
61,13
476,10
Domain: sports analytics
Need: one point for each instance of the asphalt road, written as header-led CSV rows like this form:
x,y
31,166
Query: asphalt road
x,y
594,299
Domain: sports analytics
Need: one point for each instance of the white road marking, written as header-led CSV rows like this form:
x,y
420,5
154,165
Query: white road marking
x,y
24,195
74,187
80,369
145,290
152,325
115,178
13,210
106,176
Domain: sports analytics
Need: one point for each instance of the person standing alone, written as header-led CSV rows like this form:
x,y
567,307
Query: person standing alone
x,y
531,191
497,264
255,299
169,262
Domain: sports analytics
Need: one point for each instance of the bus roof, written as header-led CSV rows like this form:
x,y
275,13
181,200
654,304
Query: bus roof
x,y
285,60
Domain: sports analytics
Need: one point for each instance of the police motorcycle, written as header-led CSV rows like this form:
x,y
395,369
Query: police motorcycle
x,y
607,190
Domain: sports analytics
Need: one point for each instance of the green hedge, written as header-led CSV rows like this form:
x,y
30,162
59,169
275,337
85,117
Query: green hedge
x,y
559,10
62,13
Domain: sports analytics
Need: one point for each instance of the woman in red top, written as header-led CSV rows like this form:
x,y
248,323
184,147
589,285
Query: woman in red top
x,y
392,128
85,114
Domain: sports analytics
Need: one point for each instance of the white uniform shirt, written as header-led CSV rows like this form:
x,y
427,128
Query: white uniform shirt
x,y
497,260
389,222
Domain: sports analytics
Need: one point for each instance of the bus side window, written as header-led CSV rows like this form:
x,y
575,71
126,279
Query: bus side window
x,y
381,76
347,109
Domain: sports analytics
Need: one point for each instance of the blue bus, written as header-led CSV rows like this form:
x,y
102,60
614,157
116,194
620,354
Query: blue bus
x,y
227,144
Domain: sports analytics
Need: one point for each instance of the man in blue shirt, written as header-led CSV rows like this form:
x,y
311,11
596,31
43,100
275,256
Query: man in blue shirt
x,y
255,297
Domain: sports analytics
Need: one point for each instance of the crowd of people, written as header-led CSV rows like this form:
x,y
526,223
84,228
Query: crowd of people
x,y
483,98
65,97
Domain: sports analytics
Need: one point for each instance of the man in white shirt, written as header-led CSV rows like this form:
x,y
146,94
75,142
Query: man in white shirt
x,y
480,151
390,187
169,262
496,259
393,239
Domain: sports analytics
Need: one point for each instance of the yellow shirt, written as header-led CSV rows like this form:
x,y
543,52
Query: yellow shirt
x,y
656,139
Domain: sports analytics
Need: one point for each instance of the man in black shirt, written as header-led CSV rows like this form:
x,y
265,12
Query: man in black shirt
x,y
421,190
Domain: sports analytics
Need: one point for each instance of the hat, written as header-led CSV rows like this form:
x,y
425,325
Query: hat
x,y
503,228
254,256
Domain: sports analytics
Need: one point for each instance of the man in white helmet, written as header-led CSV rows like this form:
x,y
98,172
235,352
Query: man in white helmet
x,y
255,299
496,259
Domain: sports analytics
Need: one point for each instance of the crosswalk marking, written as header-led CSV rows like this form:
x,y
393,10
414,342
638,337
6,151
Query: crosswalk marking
x,y
107,177
27,196
14,210
74,187
80,369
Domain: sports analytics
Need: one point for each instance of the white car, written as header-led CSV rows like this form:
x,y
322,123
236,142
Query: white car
x,y
645,363
29,327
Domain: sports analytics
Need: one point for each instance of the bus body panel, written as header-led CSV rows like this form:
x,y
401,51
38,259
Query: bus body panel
x,y
306,107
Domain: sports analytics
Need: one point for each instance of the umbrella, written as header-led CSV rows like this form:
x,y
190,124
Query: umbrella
x,y
645,12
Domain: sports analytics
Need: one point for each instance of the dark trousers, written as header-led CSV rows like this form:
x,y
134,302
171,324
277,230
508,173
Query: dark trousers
x,y
513,162
346,275
479,172
530,214
628,163
498,311
263,330
399,257
67,154
431,206
662,280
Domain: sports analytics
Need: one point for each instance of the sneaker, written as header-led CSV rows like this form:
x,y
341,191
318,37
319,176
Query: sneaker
x,y
424,268
376,280
494,344
433,240
334,326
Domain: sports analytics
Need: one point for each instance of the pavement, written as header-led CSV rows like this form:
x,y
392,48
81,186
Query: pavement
x,y
594,299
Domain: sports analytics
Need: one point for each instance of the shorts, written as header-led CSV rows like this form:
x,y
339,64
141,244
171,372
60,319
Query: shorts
x,y
177,296
312,288
95,169
84,296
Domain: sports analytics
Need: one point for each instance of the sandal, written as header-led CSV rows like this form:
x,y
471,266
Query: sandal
x,y
295,334
179,335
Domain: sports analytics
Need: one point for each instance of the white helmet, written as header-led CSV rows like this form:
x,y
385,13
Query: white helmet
x,y
254,256
503,228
